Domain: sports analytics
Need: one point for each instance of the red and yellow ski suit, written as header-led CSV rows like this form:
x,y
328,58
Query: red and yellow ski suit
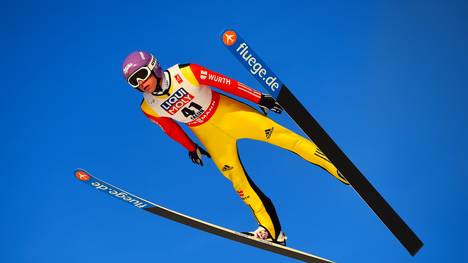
x,y
218,122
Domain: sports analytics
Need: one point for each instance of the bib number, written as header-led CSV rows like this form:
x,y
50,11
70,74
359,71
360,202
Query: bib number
x,y
192,111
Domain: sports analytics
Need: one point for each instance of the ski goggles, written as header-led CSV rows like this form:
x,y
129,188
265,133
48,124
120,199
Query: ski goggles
x,y
142,73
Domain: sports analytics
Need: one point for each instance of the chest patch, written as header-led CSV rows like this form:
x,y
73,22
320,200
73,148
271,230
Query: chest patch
x,y
187,102
177,101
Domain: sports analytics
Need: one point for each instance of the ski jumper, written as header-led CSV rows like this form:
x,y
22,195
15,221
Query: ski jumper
x,y
218,122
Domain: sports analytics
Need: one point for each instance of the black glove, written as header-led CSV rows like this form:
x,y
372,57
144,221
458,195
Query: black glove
x,y
268,103
196,155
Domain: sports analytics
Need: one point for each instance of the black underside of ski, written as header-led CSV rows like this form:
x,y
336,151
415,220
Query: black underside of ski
x,y
153,208
234,235
357,180
244,53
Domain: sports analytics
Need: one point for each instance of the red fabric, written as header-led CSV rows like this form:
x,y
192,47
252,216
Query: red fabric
x,y
214,79
173,130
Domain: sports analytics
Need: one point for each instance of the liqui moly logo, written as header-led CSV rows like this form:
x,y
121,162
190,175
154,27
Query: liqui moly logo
x,y
177,101
120,194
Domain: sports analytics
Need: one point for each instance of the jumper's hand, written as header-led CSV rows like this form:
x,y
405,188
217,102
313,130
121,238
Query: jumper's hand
x,y
196,155
268,103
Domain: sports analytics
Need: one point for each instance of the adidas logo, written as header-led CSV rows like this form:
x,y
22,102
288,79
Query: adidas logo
x,y
242,195
227,168
269,132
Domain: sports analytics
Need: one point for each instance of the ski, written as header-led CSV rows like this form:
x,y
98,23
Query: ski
x,y
141,203
270,81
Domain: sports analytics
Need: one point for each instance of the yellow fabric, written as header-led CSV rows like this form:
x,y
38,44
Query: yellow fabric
x,y
234,120
146,108
188,74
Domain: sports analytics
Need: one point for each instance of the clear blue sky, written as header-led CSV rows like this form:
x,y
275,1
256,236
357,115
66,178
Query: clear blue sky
x,y
388,81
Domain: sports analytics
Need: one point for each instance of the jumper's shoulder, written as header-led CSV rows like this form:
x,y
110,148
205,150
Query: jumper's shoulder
x,y
190,72
179,67
146,108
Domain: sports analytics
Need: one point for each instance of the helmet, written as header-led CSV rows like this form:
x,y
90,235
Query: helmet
x,y
139,59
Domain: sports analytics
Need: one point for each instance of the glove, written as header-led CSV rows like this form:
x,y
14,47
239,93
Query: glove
x,y
268,103
196,155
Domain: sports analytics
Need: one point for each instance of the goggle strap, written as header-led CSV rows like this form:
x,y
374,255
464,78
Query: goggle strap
x,y
152,63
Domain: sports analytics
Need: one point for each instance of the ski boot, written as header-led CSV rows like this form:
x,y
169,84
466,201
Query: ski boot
x,y
264,234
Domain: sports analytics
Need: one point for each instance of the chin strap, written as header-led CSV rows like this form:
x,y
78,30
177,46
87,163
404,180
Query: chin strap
x,y
158,90
162,85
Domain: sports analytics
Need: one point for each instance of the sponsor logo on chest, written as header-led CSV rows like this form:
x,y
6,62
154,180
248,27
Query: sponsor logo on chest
x,y
179,79
177,101
213,77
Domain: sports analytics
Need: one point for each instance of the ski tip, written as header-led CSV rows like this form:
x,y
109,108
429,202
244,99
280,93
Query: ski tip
x,y
415,249
229,37
82,175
